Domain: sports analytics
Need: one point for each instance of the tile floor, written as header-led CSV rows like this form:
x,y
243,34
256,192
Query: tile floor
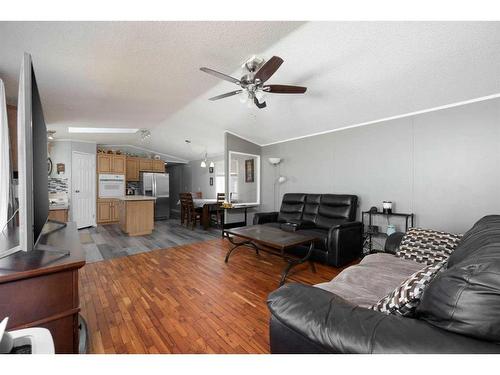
x,y
108,241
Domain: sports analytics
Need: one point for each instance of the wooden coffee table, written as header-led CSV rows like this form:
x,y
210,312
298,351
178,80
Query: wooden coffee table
x,y
273,241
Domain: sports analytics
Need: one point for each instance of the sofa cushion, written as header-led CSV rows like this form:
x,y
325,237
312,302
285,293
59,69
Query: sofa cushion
x,y
311,207
335,209
374,277
465,298
427,246
292,206
405,298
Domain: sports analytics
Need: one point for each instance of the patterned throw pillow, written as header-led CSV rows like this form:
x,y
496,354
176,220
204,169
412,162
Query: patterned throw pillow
x,y
405,298
427,246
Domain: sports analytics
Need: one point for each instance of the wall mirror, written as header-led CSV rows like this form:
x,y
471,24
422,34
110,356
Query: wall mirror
x,y
244,178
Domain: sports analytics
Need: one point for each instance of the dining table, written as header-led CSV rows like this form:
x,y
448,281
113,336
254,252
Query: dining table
x,y
205,204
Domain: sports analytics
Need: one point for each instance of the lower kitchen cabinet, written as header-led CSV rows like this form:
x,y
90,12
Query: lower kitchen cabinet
x,y
108,211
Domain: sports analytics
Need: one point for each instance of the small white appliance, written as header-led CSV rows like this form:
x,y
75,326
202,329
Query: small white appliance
x,y
39,340
111,185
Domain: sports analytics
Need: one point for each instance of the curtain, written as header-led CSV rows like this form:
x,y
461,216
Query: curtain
x,y
4,160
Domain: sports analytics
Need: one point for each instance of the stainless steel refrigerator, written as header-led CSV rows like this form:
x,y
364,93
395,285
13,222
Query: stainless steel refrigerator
x,y
157,185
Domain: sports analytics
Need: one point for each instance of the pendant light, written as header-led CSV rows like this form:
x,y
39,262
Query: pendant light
x,y
204,162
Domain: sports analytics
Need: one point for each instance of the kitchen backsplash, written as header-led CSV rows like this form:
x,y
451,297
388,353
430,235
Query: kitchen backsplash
x,y
58,185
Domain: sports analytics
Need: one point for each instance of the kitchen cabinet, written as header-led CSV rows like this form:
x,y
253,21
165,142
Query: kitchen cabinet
x,y
108,211
137,215
146,165
60,215
132,173
159,166
119,164
111,163
104,163
134,166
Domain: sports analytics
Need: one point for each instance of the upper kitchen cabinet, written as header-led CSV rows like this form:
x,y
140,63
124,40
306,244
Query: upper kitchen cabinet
x,y
146,165
132,169
111,163
159,166
119,164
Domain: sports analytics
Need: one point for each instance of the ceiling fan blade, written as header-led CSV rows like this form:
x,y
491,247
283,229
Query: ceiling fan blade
x,y
284,89
269,68
259,105
222,96
220,75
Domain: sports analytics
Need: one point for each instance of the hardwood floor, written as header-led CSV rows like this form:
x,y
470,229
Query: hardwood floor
x,y
185,299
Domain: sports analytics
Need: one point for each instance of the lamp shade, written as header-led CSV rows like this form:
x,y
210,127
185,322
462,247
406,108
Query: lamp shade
x,y
203,164
274,161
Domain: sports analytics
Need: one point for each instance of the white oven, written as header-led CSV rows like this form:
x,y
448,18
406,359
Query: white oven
x,y
111,185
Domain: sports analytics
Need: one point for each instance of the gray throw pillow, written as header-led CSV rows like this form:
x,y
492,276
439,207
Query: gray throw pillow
x,y
405,298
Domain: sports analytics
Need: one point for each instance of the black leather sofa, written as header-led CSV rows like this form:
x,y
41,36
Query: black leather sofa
x,y
329,217
458,312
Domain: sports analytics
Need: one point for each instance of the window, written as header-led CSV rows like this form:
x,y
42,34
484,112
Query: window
x,y
220,184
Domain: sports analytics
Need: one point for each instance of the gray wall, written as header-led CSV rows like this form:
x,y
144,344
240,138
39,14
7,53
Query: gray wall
x,y
200,177
443,165
177,184
191,177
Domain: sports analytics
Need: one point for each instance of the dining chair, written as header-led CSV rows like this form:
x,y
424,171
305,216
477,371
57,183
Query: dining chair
x,y
188,212
216,214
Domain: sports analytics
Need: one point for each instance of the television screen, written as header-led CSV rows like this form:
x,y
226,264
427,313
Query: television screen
x,y
32,159
40,175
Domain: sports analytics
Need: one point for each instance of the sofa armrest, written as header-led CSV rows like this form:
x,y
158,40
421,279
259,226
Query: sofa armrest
x,y
345,243
392,242
265,217
309,319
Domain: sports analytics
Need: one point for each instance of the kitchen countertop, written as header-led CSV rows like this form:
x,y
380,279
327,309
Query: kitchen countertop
x,y
137,198
54,207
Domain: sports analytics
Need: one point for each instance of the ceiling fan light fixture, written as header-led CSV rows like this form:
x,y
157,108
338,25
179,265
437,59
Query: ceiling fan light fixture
x,y
253,82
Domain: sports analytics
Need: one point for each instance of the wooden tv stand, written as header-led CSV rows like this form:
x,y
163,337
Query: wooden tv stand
x,y
40,289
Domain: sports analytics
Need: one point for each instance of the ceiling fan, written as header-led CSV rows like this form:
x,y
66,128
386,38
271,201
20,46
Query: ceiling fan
x,y
257,72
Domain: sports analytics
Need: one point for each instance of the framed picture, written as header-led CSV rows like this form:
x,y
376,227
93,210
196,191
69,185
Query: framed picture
x,y
211,181
211,170
249,170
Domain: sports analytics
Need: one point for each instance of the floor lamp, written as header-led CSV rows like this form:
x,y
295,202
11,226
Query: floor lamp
x,y
278,179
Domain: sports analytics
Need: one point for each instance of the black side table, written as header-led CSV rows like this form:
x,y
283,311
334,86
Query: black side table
x,y
368,234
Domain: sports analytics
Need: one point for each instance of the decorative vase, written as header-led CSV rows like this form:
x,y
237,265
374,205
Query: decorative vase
x,y
391,228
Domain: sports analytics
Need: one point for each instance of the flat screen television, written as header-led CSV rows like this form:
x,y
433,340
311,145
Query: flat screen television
x,y
32,162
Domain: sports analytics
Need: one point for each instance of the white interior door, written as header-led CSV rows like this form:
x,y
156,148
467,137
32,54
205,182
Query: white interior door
x,y
83,184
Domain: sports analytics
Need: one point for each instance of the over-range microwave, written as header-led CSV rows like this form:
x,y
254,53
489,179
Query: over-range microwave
x,y
111,185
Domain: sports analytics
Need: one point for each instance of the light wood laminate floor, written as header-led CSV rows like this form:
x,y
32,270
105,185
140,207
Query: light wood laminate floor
x,y
184,299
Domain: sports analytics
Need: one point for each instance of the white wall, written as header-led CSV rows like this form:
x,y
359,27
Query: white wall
x,y
443,165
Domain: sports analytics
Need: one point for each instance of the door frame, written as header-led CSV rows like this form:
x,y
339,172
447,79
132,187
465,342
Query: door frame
x,y
93,184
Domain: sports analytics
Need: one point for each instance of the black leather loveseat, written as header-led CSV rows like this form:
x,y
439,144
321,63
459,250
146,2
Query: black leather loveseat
x,y
458,311
329,217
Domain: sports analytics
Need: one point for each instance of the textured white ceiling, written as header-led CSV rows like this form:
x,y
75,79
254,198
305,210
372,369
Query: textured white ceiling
x,y
146,75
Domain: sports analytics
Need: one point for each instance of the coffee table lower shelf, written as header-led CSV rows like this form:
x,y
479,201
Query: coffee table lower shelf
x,y
271,248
